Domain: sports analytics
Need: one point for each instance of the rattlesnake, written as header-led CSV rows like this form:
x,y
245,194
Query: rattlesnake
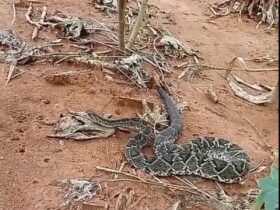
x,y
208,157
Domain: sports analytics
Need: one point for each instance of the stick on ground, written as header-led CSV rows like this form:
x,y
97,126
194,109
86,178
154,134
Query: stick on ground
x,y
138,23
14,16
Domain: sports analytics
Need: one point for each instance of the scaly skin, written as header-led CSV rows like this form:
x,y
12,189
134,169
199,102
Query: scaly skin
x,y
212,158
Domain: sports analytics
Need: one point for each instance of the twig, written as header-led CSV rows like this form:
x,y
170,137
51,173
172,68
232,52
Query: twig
x,y
27,16
106,29
107,45
16,75
35,33
155,59
214,68
43,15
251,123
64,58
121,202
103,52
190,184
156,50
175,187
221,188
242,61
120,169
261,70
255,86
257,166
41,21
14,16
36,1
136,202
129,78
10,74
138,23
164,184
13,66
139,101
141,180
119,172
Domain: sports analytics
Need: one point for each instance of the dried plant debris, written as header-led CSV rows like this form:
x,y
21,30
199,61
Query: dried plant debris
x,y
106,5
79,190
124,199
177,206
154,115
258,87
255,99
212,95
266,11
221,200
20,57
173,46
269,12
90,59
190,71
267,58
8,39
18,51
72,27
63,78
80,126
236,203
132,65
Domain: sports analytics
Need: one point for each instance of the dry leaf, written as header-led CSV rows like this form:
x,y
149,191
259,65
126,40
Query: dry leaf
x,y
155,116
212,95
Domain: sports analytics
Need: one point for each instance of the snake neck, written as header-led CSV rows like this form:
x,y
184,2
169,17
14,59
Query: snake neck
x,y
135,124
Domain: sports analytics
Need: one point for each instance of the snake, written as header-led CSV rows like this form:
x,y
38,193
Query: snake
x,y
211,158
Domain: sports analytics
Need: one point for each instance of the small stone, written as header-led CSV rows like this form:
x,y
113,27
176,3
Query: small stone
x,y
91,91
40,117
35,181
118,111
57,150
15,138
20,130
21,150
46,101
59,79
46,160
22,119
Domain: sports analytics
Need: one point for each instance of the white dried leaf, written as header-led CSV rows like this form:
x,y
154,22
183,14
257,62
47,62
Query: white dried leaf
x,y
155,116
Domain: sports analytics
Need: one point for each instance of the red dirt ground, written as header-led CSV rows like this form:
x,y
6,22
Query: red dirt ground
x,y
31,163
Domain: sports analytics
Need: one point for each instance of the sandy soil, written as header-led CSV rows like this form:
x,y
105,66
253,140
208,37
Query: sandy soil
x,y
31,164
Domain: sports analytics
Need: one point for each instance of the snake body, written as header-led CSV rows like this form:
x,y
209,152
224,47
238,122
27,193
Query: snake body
x,y
208,157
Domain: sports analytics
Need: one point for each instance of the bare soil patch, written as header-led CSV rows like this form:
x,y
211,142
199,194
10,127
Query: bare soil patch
x,y
31,164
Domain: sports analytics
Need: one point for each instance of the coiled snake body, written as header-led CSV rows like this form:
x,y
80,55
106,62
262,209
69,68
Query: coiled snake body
x,y
208,157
